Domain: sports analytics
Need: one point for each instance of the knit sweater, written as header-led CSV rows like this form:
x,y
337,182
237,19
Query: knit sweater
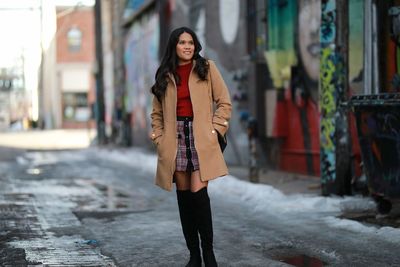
x,y
184,103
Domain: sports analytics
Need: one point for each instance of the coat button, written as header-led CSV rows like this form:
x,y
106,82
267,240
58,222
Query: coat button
x,y
153,134
213,131
225,122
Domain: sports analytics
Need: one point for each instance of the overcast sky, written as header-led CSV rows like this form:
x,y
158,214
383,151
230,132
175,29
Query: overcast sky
x,y
36,3
15,15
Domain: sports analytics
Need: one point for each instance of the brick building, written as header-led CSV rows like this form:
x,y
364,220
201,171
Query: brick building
x,y
75,60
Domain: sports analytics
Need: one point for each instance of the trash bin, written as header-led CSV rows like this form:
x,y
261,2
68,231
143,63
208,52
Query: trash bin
x,y
378,127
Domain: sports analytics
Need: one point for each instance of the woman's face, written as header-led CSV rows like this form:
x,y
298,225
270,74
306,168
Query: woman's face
x,y
185,48
309,21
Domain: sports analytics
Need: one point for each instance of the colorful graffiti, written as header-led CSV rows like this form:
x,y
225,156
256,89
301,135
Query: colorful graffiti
x,y
328,20
141,62
328,110
378,124
356,45
328,97
308,37
281,54
293,60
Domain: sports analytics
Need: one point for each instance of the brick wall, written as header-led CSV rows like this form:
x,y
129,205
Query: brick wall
x,y
83,19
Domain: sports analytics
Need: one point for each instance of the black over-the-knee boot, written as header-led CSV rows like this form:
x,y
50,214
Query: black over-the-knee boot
x,y
204,222
189,226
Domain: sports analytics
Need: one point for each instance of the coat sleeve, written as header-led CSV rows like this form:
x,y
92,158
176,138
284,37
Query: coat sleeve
x,y
157,120
221,97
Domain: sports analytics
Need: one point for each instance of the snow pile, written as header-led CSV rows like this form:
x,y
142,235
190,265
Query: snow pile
x,y
386,233
257,196
265,197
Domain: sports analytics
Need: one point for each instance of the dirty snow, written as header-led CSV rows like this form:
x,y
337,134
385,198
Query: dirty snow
x,y
259,197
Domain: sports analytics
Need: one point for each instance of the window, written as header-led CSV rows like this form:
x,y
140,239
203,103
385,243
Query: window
x,y
74,37
75,107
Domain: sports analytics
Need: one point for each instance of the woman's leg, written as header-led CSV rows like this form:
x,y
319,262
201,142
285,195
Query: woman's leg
x,y
182,180
195,183
203,218
187,216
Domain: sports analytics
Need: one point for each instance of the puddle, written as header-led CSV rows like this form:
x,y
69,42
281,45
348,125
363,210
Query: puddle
x,y
302,261
110,199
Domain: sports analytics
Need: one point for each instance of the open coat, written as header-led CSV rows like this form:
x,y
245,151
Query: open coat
x,y
207,119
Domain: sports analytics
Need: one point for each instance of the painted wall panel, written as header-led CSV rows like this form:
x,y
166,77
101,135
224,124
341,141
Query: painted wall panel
x,y
141,62
293,60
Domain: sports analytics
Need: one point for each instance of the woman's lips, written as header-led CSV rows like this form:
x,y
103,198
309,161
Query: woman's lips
x,y
314,49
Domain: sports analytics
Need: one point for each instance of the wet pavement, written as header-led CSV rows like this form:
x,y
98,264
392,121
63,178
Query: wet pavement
x,y
38,226
78,208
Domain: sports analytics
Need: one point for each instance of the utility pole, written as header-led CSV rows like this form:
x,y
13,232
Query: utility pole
x,y
100,121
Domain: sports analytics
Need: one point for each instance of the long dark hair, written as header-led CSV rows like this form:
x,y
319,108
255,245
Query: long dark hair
x,y
169,62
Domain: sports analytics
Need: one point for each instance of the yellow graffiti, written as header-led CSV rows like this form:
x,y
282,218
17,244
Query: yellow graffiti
x,y
328,128
328,69
328,105
327,66
327,88
328,101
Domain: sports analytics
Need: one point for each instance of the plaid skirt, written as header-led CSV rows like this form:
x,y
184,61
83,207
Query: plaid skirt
x,y
186,157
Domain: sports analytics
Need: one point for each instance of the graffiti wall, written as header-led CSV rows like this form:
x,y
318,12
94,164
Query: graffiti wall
x,y
293,60
141,63
329,83
356,72
356,46
281,54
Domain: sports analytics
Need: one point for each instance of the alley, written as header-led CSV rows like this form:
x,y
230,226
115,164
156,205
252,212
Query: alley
x,y
99,207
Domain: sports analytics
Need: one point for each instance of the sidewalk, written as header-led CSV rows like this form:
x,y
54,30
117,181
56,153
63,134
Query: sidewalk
x,y
288,183
57,139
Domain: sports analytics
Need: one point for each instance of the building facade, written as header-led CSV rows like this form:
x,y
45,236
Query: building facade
x,y
75,66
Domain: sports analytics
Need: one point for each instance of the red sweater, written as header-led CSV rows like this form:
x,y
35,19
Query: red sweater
x,y
184,104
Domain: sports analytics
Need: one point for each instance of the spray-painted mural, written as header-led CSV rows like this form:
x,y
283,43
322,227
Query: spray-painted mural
x,y
356,72
281,55
294,67
141,61
328,91
229,19
131,6
334,123
356,46
379,131
308,33
328,110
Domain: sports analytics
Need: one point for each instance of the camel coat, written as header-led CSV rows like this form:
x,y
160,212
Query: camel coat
x,y
207,119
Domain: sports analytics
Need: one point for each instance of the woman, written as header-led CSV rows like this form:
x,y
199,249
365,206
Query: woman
x,y
185,128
